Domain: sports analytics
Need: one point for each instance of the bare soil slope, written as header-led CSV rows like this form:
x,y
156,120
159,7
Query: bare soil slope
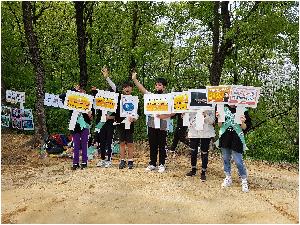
x,y
47,191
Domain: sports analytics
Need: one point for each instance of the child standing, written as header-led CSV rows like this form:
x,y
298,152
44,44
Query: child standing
x,y
104,135
156,136
232,143
80,134
200,138
125,135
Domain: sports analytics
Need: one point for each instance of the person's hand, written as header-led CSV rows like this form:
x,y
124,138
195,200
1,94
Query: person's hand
x,y
105,71
77,87
90,114
133,74
243,119
131,119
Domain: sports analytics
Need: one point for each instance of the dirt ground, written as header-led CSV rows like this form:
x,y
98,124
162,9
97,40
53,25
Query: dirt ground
x,y
37,190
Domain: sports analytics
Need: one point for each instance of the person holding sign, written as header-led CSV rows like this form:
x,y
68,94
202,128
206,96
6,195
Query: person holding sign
x,y
104,133
232,143
156,136
200,138
125,135
80,134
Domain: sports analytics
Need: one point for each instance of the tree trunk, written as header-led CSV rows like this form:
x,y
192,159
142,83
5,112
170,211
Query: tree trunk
x,y
215,68
134,35
40,128
82,42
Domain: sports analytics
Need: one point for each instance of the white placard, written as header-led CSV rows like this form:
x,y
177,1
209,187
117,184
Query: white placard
x,y
157,103
198,100
128,105
220,110
240,109
53,100
106,100
185,119
73,120
78,101
199,120
15,96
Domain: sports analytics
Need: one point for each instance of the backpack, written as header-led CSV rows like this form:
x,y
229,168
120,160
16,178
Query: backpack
x,y
55,143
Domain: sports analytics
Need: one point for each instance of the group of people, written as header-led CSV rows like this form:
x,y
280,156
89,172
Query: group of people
x,y
231,135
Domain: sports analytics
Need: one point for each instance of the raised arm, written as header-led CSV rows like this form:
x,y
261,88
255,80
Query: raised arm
x,y
138,84
109,81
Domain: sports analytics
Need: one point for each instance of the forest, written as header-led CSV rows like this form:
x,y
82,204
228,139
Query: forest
x,y
49,47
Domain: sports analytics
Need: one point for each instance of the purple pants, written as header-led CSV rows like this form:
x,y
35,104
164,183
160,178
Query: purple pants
x,y
80,140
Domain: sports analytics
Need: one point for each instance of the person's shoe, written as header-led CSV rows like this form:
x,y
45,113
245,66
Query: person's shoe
x,y
227,182
83,165
108,164
75,167
161,168
191,173
150,168
203,176
122,164
245,187
101,163
130,164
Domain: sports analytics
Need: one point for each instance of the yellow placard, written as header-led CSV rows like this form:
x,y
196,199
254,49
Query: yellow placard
x,y
78,102
218,94
181,102
105,102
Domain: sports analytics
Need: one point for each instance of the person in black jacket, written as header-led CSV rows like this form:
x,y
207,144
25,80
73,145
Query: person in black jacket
x,y
80,134
180,134
104,134
232,144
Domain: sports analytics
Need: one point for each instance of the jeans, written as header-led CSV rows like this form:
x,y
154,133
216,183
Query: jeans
x,y
204,146
238,159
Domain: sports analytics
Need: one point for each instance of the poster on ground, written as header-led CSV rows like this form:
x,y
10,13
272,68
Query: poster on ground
x,y
5,116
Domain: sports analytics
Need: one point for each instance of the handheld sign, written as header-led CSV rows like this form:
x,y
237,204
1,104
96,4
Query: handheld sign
x,y
128,107
107,102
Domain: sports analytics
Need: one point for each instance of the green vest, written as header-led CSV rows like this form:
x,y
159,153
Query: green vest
x,y
237,128
81,122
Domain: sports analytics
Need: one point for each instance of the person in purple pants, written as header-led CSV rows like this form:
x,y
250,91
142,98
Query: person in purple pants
x,y
80,134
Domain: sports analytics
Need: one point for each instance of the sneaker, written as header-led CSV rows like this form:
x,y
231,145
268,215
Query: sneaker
x,y
227,182
108,164
245,187
75,167
203,176
161,168
101,163
83,165
130,164
122,164
150,168
191,173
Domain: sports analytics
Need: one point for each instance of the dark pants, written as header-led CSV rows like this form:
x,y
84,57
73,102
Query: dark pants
x,y
104,138
157,141
179,135
204,146
80,140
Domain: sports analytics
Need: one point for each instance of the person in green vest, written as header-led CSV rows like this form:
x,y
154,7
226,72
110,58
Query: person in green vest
x,y
232,144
